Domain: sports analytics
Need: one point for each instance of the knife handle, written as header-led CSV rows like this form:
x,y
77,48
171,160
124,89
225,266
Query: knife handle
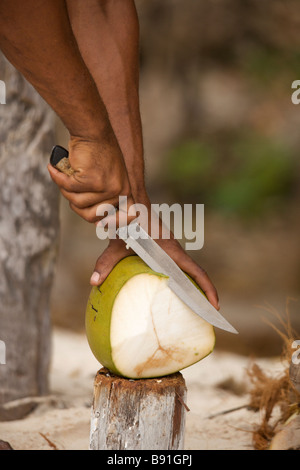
x,y
60,160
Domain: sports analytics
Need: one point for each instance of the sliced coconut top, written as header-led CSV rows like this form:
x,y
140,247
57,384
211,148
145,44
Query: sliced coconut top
x,y
152,332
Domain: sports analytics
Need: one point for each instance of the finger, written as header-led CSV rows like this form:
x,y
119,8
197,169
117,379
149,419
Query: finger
x,y
116,220
198,274
118,217
95,213
102,209
89,213
61,179
203,281
108,260
69,183
83,200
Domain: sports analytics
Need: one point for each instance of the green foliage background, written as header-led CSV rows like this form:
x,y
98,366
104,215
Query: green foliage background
x,y
251,50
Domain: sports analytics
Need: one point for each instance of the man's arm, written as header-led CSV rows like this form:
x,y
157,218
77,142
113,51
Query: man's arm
x,y
37,39
107,34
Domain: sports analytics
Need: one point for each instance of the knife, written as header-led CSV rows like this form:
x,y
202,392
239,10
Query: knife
x,y
157,259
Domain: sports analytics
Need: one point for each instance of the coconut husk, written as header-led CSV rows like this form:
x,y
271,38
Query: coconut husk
x,y
268,392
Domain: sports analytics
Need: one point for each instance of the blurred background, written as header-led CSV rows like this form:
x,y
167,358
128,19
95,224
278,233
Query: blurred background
x,y
220,129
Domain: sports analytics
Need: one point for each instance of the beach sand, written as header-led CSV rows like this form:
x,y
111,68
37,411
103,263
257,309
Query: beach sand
x,y
217,398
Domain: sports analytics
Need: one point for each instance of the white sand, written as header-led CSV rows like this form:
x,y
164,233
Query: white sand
x,y
63,420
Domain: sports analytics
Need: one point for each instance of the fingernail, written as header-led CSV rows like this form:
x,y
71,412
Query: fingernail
x,y
95,277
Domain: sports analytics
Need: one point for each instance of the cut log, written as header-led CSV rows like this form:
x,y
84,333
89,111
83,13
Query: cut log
x,y
143,414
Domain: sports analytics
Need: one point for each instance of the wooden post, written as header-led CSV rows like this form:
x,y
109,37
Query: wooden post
x,y
143,414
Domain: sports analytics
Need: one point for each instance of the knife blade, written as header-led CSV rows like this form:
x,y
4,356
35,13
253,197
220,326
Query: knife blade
x,y
157,259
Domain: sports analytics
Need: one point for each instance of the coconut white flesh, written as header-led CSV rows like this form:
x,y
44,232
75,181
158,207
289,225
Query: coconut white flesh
x,y
153,333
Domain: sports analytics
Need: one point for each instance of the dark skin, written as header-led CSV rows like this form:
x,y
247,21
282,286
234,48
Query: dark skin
x,y
36,36
83,58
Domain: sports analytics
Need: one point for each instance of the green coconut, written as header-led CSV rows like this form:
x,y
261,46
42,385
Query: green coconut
x,y
137,327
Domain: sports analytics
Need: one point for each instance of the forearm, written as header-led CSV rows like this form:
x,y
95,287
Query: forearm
x,y
37,39
107,34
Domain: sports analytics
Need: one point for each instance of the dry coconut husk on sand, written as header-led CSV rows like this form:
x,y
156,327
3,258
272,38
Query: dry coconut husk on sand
x,y
276,398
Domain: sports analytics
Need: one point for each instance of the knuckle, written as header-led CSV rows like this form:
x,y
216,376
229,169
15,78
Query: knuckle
x,y
90,218
116,188
126,190
79,204
119,186
87,218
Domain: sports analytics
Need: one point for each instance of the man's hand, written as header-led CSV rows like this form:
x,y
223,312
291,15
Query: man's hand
x,y
116,251
99,177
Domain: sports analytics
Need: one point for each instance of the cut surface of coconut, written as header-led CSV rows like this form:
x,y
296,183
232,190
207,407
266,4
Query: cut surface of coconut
x,y
149,331
153,332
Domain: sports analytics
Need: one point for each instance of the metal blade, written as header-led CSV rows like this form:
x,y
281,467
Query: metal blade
x,y
158,260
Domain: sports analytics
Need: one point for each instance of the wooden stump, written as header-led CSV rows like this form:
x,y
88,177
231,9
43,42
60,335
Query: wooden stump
x,y
143,414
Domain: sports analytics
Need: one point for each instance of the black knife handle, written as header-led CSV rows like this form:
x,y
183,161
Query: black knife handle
x,y
60,159
57,154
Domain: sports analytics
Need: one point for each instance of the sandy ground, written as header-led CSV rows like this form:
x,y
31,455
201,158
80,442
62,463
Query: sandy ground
x,y
62,420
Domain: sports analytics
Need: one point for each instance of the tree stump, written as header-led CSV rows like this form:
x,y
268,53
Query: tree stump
x,y
143,414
